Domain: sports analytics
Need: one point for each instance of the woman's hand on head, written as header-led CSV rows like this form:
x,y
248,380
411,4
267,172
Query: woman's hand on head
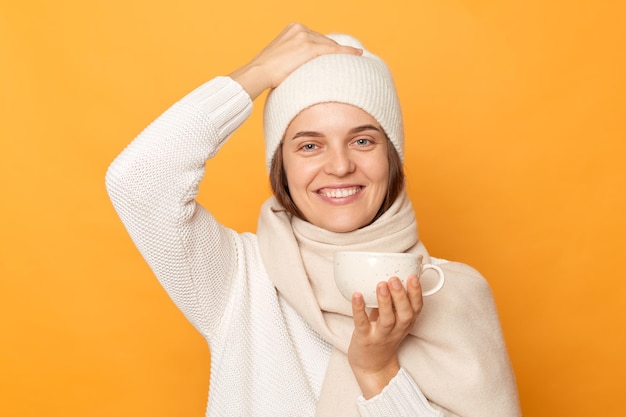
x,y
294,46
373,351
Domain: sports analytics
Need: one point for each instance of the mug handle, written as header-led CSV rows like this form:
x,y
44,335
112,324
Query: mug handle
x,y
439,283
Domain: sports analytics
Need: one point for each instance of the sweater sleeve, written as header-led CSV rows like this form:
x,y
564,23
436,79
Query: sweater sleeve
x,y
401,397
153,184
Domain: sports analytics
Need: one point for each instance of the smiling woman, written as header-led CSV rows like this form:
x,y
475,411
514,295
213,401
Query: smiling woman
x,y
334,148
366,138
337,175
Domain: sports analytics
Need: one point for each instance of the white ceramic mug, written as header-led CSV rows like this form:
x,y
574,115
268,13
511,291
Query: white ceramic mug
x,y
361,271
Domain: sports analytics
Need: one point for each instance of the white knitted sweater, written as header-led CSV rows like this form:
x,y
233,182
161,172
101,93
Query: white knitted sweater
x,y
265,359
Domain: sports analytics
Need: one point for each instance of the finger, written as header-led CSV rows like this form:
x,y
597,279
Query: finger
x,y
321,43
401,302
303,34
414,291
332,47
386,315
361,322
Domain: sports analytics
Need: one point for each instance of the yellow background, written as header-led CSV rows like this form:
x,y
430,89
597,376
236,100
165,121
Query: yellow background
x,y
515,158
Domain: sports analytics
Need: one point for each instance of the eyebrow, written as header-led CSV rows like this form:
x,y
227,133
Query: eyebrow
x,y
314,134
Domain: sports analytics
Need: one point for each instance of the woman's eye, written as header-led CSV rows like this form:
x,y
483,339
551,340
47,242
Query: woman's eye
x,y
309,147
362,142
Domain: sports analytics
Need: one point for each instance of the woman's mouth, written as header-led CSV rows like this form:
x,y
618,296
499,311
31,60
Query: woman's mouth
x,y
339,192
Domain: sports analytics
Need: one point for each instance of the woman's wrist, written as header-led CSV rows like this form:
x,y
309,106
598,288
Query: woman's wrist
x,y
251,79
373,382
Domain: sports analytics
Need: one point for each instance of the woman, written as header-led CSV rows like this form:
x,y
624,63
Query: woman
x,y
283,341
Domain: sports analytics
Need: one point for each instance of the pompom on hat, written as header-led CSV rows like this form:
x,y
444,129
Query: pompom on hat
x,y
362,81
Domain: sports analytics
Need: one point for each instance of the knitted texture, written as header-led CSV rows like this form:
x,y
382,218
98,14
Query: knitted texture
x,y
265,359
362,81
459,364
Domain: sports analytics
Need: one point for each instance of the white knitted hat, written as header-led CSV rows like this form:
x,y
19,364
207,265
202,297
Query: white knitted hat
x,y
362,81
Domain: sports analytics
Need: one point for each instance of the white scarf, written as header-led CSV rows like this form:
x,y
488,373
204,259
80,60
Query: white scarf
x,y
455,352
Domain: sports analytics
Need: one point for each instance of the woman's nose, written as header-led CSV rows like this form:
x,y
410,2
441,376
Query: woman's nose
x,y
339,162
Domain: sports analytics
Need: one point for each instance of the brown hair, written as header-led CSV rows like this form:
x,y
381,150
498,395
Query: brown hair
x,y
280,188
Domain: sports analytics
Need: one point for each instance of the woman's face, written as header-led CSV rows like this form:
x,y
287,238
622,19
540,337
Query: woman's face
x,y
335,160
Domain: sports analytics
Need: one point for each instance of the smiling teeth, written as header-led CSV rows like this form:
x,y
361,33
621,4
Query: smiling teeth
x,y
340,193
